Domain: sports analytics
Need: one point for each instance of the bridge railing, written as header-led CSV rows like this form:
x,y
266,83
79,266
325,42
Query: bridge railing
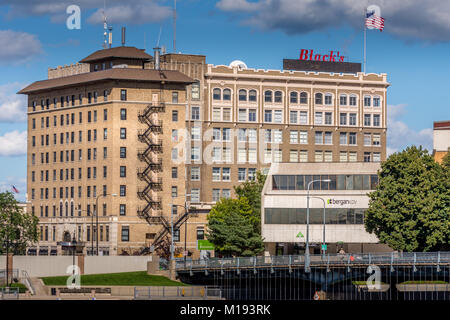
x,y
392,258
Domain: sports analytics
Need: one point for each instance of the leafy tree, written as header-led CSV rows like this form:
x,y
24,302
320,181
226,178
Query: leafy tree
x,y
252,191
17,228
232,230
409,210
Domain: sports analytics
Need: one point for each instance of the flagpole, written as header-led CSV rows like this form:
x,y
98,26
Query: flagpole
x,y
365,28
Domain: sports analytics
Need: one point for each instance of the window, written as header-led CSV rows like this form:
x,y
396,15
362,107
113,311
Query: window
x,y
226,134
328,138
195,91
268,96
215,174
267,115
123,95
353,100
277,136
252,115
123,133
367,139
251,174
376,139
195,195
376,120
352,119
343,138
174,135
125,233
343,100
318,137
318,118
293,116
174,97
216,116
304,137
226,116
367,119
242,135
328,99
343,119
278,116
123,171
215,195
195,113
195,173
303,98
226,94
376,157
252,155
195,133
216,134
328,117
174,153
105,134
174,192
352,156
293,137
242,95
123,152
366,156
319,98
278,96
352,138
268,135
293,97
376,101
252,135
226,174
318,156
176,235
216,94
174,172
195,153
123,191
123,114
226,193
252,96
241,174
303,117
174,115
242,115
293,156
343,156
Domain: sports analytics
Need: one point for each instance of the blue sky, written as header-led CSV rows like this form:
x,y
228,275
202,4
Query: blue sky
x,y
412,49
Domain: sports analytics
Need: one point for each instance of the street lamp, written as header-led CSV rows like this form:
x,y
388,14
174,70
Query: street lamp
x,y
74,245
307,257
323,237
96,219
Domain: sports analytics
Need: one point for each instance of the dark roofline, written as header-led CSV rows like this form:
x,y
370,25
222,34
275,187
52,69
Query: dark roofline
x,y
125,74
441,125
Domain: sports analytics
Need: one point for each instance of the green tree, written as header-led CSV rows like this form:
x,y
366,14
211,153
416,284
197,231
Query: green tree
x,y
232,230
252,191
409,210
17,228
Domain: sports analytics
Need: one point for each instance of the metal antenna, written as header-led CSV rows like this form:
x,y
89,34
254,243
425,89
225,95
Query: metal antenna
x,y
175,27
105,27
159,36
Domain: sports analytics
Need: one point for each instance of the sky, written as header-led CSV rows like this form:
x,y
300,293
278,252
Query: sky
x,y
413,50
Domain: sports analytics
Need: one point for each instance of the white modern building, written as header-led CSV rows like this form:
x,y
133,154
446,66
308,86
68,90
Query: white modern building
x,y
284,207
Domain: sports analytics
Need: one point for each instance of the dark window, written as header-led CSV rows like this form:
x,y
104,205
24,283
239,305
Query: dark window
x,y
123,133
123,171
123,191
123,95
122,209
174,115
125,233
123,114
174,173
123,152
200,234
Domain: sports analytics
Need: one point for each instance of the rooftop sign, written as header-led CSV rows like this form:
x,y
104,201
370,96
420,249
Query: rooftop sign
x,y
309,54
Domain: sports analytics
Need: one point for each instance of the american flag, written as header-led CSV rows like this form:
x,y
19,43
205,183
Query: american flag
x,y
373,21
15,189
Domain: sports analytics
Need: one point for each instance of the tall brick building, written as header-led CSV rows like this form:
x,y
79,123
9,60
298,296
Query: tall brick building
x,y
149,136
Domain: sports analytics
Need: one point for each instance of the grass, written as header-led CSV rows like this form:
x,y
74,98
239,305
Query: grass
x,y
424,282
139,278
21,286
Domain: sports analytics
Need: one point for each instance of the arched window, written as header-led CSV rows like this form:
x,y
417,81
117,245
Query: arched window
x,y
376,101
268,96
226,94
61,210
328,98
353,99
67,208
242,95
319,98
252,95
216,94
66,236
71,209
343,99
367,101
278,96
303,97
294,97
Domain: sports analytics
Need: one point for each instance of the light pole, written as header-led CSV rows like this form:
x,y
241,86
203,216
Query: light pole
x,y
74,246
323,237
96,220
307,257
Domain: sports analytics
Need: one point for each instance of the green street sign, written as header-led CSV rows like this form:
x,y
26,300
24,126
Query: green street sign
x,y
324,247
300,235
204,245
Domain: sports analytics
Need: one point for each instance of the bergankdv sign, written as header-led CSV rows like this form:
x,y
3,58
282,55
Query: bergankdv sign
x,y
204,245
308,54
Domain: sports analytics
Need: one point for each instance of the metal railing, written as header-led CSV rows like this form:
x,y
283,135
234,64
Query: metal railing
x,y
391,258
27,281
205,292
9,293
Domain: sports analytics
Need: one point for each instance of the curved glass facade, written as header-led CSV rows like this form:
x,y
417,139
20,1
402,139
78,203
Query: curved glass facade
x,y
338,182
298,216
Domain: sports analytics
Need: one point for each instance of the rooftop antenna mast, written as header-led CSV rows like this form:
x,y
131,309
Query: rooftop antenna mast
x,y
175,27
105,27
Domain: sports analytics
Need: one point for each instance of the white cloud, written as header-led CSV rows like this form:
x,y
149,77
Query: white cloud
x,y
410,19
118,11
400,135
18,47
13,143
13,107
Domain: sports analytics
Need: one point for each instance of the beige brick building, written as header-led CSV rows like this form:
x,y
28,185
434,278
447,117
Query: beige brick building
x,y
191,131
